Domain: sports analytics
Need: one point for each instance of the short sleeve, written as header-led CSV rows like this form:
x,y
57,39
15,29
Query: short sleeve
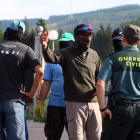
x,y
47,73
32,61
106,71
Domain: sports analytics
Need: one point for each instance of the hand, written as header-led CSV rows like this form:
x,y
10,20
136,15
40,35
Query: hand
x,y
106,113
27,96
39,108
95,94
44,39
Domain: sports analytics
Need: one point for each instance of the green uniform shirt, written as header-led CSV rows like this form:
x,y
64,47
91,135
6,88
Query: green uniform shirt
x,y
79,71
123,68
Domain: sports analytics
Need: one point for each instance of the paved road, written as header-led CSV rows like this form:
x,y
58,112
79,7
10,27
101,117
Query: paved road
x,y
36,131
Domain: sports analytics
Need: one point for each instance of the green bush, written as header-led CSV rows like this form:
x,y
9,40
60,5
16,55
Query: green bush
x,y
29,112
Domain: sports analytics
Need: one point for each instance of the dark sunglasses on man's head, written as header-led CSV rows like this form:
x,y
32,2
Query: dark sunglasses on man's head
x,y
85,29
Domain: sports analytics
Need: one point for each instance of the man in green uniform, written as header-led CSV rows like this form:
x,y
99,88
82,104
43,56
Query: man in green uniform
x,y
121,119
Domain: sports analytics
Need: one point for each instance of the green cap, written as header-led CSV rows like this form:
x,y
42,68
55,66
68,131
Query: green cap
x,y
66,37
131,31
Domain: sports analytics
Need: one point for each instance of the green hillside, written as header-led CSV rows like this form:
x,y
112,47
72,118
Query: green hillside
x,y
113,16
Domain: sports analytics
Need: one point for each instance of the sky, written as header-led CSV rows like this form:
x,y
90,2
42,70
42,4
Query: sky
x,y
18,9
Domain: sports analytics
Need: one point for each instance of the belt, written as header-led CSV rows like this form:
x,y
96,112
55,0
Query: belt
x,y
127,102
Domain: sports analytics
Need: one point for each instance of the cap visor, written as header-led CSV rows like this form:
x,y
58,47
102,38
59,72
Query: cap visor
x,y
64,39
117,37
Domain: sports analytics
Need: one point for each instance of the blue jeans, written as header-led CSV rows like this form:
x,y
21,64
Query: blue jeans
x,y
4,135
13,115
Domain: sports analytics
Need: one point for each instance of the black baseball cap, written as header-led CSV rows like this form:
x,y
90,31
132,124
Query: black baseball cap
x,y
78,31
117,34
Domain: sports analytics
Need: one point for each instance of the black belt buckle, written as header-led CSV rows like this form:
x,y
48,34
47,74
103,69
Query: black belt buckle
x,y
127,102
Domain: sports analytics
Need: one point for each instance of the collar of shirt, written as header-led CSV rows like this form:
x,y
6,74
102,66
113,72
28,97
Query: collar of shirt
x,y
76,51
130,48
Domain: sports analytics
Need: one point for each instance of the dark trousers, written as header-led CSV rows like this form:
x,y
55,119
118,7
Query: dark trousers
x,y
4,136
55,122
125,123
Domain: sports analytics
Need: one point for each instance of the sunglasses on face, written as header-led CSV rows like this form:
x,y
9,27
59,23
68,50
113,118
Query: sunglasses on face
x,y
85,29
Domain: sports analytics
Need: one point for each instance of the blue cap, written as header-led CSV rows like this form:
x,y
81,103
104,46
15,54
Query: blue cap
x,y
14,25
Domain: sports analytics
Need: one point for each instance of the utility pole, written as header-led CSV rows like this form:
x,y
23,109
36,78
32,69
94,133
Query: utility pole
x,y
38,53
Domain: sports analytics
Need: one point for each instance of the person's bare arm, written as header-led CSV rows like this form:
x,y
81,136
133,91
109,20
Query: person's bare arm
x,y
100,91
44,90
37,81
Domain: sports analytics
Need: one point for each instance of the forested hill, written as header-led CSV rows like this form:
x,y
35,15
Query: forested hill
x,y
113,16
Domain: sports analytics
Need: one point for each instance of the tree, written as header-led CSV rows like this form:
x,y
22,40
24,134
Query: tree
x,y
102,43
60,31
41,22
32,38
26,33
1,33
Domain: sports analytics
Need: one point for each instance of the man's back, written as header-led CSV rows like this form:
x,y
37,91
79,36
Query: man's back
x,y
123,70
15,58
126,67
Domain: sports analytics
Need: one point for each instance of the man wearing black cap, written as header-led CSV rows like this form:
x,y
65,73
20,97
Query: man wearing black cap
x,y
117,39
15,58
80,66
121,119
